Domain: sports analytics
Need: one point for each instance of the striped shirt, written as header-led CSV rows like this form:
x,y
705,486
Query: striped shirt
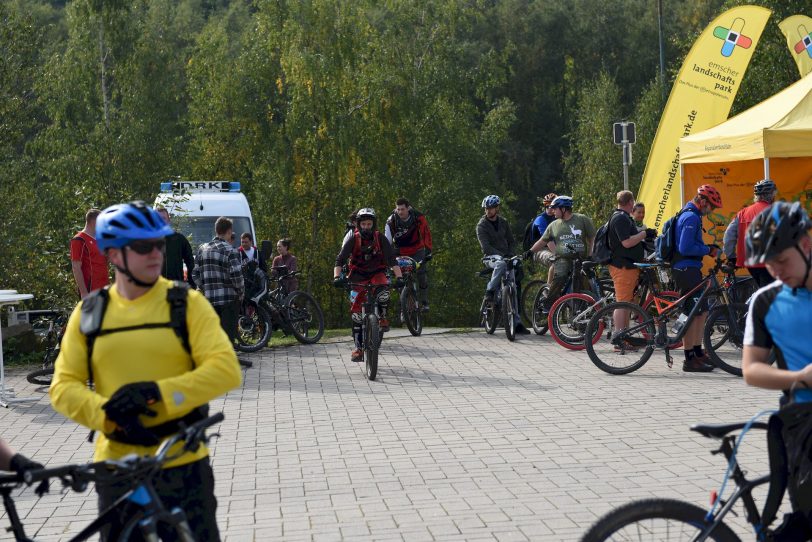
x,y
218,273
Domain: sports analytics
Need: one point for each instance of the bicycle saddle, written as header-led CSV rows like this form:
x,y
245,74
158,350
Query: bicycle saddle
x,y
720,430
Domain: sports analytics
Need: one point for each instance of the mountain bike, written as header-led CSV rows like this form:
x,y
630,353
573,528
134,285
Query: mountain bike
x,y
50,326
624,351
570,314
529,293
539,316
371,333
411,313
296,313
503,306
141,504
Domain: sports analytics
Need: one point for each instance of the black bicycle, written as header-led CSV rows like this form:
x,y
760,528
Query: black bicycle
x,y
623,351
574,284
371,332
670,519
49,326
503,306
296,313
411,312
141,504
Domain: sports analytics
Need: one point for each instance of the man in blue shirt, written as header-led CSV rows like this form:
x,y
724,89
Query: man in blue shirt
x,y
687,266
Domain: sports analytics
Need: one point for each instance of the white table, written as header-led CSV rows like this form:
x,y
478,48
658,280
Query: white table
x,y
9,297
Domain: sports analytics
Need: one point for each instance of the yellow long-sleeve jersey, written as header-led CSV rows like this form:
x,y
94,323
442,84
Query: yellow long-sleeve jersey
x,y
157,354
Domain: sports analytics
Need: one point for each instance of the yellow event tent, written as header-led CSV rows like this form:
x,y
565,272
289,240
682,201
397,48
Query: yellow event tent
x,y
770,140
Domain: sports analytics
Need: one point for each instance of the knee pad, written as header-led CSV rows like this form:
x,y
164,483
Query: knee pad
x,y
383,297
357,318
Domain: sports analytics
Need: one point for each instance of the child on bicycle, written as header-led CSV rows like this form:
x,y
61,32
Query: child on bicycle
x,y
369,254
780,319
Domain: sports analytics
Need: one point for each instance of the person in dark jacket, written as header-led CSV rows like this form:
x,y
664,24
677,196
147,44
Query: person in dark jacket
x,y
497,243
178,252
408,231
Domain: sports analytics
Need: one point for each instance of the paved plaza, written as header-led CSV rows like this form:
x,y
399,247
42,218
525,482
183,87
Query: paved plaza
x,y
465,436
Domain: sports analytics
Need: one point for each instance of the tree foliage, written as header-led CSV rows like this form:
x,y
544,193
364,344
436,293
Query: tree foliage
x,y
320,107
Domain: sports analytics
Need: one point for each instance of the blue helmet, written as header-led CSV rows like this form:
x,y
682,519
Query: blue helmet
x,y
490,201
562,201
120,224
764,187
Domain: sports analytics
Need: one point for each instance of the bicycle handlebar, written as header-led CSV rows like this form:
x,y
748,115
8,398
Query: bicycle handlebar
x,y
77,476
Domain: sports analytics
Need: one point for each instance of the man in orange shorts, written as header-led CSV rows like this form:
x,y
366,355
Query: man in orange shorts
x,y
627,245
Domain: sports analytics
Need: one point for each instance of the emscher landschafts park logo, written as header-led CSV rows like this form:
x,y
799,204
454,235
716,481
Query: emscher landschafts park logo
x,y
732,37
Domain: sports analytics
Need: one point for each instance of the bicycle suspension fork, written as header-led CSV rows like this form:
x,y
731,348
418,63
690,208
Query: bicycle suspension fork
x,y
13,517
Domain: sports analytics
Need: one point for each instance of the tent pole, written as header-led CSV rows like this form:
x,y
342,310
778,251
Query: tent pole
x,y
766,168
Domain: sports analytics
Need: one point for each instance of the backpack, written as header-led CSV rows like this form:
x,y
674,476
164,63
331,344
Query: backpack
x,y
601,249
95,305
531,235
665,246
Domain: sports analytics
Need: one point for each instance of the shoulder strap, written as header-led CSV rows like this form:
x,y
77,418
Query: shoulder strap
x,y
176,296
93,308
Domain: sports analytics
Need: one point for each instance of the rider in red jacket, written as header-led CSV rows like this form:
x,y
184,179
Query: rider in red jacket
x,y
764,194
369,254
409,233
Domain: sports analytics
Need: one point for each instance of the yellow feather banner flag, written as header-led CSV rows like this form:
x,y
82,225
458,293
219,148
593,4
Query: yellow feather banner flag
x,y
798,31
701,98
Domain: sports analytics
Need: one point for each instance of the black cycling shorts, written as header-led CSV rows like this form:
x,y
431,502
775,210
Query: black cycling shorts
x,y
686,279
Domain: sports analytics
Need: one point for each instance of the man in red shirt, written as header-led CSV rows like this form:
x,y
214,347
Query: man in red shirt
x,y
763,194
88,263
408,232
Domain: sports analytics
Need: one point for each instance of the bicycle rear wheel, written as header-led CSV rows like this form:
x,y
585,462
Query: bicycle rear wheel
x,y
508,312
724,336
656,519
529,292
568,318
304,317
620,352
372,340
539,318
412,314
253,328
41,377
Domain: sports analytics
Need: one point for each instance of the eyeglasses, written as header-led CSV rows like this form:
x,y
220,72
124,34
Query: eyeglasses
x,y
145,247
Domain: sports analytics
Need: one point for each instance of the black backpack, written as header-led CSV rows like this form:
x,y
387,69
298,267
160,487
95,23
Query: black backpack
x,y
95,305
601,250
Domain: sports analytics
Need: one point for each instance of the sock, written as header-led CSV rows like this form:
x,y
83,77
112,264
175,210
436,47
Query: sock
x,y
689,355
698,351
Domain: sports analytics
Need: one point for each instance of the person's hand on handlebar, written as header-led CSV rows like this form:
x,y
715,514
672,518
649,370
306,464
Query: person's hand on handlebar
x,y
651,233
339,282
714,250
527,255
399,283
21,464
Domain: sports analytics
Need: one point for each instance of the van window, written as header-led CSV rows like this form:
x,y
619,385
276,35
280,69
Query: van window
x,y
200,229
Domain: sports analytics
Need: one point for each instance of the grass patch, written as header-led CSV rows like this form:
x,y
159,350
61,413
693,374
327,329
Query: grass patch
x,y
277,339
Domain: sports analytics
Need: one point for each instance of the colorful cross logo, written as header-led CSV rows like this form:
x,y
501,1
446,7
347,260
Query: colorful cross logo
x,y
806,41
732,37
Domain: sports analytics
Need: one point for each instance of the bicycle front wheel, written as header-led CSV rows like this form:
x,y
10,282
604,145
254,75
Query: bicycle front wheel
x,y
489,316
508,312
253,328
724,336
529,292
620,352
568,318
657,519
372,340
304,317
539,318
411,310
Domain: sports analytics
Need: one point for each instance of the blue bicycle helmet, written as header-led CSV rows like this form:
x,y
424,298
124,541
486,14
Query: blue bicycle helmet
x,y
120,224
491,201
764,187
562,201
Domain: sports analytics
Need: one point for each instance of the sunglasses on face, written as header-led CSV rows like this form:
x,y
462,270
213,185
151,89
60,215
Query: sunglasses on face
x,y
145,247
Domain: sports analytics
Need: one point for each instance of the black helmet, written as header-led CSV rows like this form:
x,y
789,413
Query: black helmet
x,y
777,228
764,187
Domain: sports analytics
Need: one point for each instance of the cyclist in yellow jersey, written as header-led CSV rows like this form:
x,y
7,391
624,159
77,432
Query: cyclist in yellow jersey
x,y
145,382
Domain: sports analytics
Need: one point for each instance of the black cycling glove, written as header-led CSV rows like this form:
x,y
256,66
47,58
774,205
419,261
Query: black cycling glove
x,y
132,400
651,233
339,282
20,464
399,283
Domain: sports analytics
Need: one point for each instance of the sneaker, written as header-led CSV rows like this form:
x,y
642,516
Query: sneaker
x,y
696,365
425,307
384,324
521,330
357,355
